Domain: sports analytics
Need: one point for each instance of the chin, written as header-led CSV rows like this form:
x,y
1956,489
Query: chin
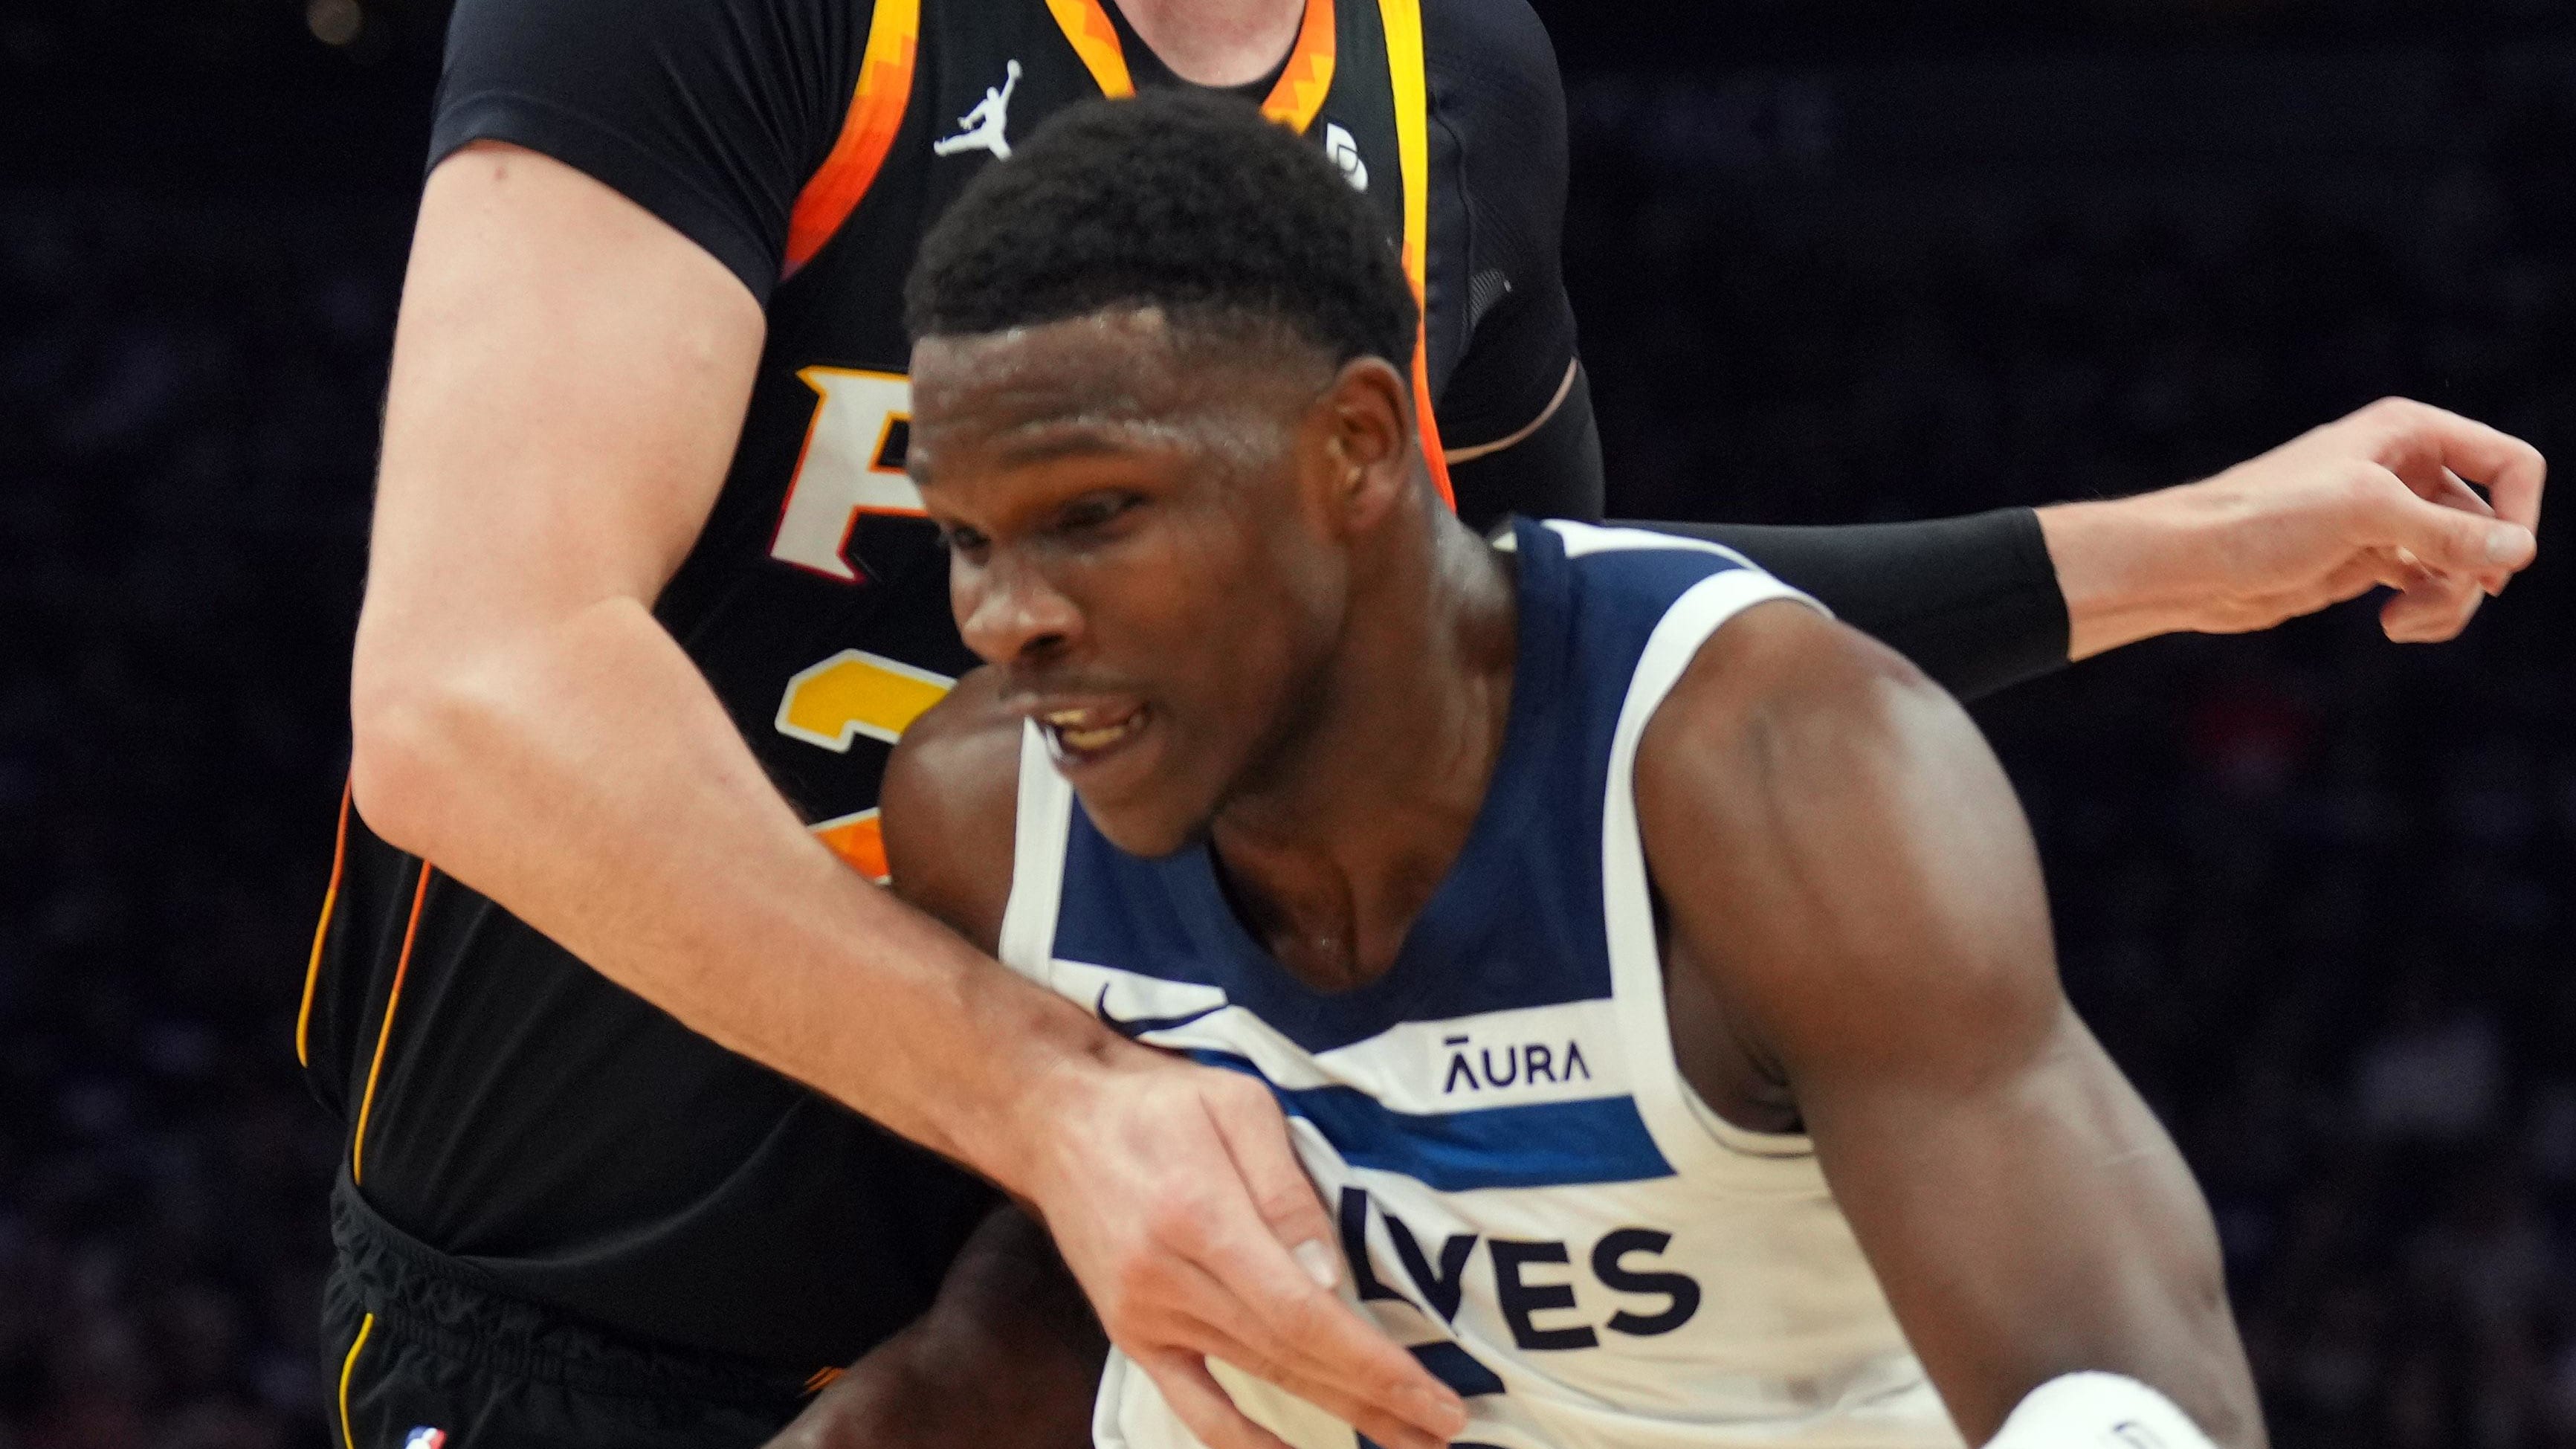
x,y
1143,830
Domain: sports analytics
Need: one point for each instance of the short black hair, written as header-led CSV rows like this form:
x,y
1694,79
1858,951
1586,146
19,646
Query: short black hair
x,y
1189,201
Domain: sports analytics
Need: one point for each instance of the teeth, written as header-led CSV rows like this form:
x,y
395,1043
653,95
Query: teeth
x,y
1067,731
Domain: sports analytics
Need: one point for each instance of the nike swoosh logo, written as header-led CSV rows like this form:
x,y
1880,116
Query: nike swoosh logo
x,y
1134,1027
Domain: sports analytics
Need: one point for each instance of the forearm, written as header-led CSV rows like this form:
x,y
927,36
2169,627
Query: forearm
x,y
2056,1231
1972,601
585,778
2125,568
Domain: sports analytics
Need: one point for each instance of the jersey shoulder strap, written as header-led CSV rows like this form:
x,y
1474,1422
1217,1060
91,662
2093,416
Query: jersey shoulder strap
x,y
877,106
1408,71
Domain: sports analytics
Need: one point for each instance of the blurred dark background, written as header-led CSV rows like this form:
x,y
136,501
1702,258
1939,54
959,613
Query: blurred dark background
x,y
1834,260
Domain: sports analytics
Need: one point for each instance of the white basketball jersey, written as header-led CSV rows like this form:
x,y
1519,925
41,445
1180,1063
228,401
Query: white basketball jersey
x,y
1529,1195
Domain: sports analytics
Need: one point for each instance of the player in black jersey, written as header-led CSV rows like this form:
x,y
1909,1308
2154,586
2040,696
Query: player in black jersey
x,y
649,598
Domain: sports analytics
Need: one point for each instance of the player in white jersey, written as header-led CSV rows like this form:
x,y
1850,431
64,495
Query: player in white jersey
x,y
1657,973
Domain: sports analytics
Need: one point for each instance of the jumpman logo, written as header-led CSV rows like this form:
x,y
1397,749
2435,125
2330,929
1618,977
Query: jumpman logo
x,y
981,129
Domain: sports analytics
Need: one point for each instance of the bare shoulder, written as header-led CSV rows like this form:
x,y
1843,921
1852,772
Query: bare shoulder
x,y
951,803
1784,664
1831,830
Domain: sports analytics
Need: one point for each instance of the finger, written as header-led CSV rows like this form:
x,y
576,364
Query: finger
x,y
1293,1318
2513,472
2430,613
2443,539
1202,1404
1334,1399
1295,1334
1255,1134
2450,492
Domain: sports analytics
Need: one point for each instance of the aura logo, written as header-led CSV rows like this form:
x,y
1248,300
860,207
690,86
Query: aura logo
x,y
1473,1068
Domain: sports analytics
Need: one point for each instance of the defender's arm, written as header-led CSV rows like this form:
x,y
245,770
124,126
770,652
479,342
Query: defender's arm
x,y
2374,499
951,813
522,721
1844,863
569,375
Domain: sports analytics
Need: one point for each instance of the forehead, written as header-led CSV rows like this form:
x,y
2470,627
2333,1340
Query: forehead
x,y
1119,368
1109,366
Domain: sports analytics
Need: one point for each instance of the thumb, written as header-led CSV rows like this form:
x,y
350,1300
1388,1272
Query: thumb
x,y
2453,541
1256,1137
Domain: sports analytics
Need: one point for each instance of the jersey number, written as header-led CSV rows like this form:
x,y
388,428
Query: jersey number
x,y
852,464
832,704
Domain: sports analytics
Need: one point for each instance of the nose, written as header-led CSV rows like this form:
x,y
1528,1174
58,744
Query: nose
x,y
1009,612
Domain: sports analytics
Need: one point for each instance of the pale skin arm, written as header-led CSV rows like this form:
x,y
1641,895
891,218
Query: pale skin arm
x,y
1845,866
569,377
2372,499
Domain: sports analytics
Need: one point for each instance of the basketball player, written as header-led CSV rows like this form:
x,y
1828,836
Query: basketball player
x,y
1657,973
649,597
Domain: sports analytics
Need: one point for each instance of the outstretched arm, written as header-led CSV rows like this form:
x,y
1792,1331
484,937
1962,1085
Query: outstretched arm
x,y
1845,866
2374,499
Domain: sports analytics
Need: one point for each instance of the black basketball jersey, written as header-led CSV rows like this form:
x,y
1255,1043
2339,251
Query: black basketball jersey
x,y
513,1108
817,599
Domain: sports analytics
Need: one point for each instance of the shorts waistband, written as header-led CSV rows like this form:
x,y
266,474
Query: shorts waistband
x,y
459,1310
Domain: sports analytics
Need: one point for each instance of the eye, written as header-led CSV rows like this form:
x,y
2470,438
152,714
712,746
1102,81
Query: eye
x,y
1094,511
957,538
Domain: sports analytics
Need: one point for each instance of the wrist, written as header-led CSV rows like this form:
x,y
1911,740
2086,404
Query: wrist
x,y
1047,1059
2124,566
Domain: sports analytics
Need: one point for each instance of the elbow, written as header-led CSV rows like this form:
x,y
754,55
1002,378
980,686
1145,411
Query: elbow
x,y
404,728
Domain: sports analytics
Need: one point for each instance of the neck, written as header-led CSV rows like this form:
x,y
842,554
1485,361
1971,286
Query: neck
x,y
1340,842
1216,42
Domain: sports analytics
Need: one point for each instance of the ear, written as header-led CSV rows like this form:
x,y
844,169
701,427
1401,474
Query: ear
x,y
1368,415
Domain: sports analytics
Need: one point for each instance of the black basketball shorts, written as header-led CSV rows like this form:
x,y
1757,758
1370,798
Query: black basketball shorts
x,y
419,1352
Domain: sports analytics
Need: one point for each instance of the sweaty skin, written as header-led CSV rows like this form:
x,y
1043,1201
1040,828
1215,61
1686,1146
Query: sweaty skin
x,y
1856,928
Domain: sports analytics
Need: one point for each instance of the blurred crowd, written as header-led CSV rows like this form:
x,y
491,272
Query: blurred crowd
x,y
188,396
2312,890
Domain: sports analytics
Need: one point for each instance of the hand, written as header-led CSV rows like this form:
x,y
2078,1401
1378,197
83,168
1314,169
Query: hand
x,y
2381,497
1177,1201
1008,1354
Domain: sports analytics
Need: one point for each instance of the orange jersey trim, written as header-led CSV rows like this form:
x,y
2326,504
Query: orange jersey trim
x,y
1293,100
1300,92
1402,20
322,931
1088,30
385,1033
876,113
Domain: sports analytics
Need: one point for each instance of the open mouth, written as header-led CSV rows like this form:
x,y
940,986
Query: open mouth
x,y
1081,735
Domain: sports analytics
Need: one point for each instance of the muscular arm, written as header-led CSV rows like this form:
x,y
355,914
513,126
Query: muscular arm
x,y
552,447
1846,868
520,719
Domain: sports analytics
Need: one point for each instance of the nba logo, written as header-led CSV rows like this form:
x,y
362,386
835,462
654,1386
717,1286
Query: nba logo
x,y
425,1438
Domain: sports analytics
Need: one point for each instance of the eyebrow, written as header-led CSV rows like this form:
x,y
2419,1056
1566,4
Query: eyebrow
x,y
1071,438
1081,443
